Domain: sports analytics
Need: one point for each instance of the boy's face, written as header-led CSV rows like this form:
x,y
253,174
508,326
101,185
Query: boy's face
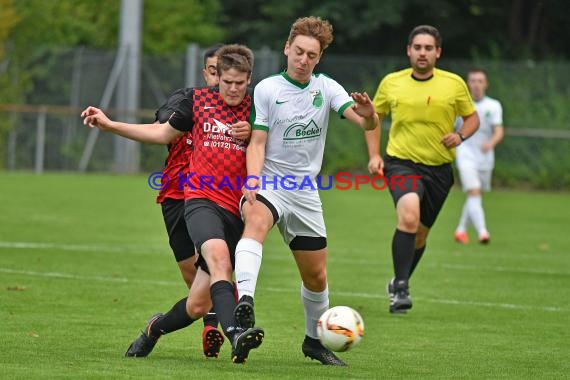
x,y
233,86
477,82
303,54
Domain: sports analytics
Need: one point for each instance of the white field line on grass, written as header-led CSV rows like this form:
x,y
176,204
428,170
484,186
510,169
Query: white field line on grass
x,y
108,248
68,276
280,290
497,269
69,247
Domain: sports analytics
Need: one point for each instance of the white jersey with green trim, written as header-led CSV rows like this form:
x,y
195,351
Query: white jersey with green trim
x,y
296,117
469,152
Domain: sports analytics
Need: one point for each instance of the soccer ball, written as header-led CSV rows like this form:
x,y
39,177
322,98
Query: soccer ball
x,y
340,328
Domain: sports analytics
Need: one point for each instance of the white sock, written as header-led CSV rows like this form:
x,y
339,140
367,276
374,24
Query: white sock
x,y
315,304
248,262
464,219
477,214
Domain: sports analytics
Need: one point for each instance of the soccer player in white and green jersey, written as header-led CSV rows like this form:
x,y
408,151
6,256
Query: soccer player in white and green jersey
x,y
283,160
476,157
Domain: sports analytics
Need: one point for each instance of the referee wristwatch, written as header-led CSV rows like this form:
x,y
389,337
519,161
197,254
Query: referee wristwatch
x,y
461,136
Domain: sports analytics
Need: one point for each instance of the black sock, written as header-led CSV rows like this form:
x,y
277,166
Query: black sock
x,y
210,319
224,300
403,253
177,318
417,257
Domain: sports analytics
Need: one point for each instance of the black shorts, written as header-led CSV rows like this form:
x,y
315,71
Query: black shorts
x,y
206,220
178,237
432,187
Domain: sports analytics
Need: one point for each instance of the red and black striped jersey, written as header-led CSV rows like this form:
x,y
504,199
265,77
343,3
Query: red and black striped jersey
x,y
177,163
217,164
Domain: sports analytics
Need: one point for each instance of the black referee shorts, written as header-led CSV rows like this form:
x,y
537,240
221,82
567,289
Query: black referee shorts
x,y
206,220
180,242
433,187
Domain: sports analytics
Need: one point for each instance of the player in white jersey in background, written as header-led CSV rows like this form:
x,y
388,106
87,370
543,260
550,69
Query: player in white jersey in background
x,y
476,158
283,160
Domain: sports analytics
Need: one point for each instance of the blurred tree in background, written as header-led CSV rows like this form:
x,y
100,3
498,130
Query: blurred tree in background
x,y
31,30
168,26
28,28
510,29
8,20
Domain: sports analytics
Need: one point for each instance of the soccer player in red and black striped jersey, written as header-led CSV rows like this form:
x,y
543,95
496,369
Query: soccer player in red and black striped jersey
x,y
171,198
212,193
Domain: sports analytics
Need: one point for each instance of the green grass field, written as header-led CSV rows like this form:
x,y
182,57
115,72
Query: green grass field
x,y
84,261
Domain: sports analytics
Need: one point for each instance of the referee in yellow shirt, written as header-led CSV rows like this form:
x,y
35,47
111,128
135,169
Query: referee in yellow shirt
x,y
423,102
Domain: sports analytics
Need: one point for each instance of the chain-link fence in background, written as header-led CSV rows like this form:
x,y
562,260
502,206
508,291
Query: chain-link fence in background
x,y
47,133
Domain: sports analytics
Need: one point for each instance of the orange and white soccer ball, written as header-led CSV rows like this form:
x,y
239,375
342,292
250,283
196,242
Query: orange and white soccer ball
x,y
340,328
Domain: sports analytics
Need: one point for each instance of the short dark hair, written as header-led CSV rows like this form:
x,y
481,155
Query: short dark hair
x,y
474,70
426,29
211,51
235,56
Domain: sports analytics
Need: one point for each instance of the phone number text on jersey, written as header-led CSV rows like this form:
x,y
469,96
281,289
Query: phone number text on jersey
x,y
225,145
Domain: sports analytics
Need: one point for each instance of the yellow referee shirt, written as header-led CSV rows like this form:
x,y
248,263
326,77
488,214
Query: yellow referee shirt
x,y
422,112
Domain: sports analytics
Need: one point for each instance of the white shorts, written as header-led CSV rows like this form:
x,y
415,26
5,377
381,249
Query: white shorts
x,y
300,213
471,178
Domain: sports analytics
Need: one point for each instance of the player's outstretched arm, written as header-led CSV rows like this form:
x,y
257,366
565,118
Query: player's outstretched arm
x,y
146,133
362,112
